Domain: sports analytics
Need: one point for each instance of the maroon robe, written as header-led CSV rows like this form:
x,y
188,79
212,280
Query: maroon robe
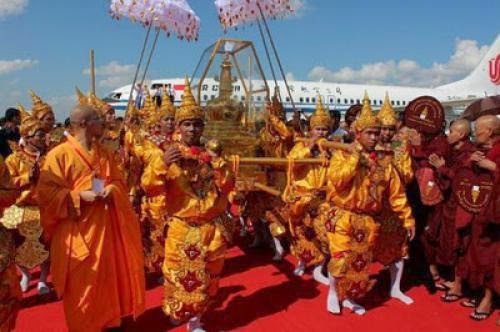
x,y
480,262
434,232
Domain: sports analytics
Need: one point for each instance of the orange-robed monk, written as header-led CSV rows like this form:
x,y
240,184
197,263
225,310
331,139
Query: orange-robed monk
x,y
96,254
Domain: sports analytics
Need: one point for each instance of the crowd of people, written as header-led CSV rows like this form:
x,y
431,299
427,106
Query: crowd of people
x,y
99,204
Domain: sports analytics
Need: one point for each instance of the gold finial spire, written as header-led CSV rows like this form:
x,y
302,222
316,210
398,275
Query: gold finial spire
x,y
386,115
188,109
320,117
366,118
39,108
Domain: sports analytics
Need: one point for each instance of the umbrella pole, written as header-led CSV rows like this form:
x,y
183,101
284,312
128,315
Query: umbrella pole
x,y
137,70
268,57
276,54
150,55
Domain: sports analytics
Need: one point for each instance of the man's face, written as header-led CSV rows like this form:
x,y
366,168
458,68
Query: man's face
x,y
191,131
483,133
38,140
454,136
387,133
95,125
335,123
319,132
368,138
167,124
110,118
48,121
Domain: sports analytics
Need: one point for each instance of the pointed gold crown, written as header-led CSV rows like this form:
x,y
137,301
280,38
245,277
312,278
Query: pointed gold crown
x,y
29,124
148,110
167,108
24,114
83,100
39,108
386,115
100,105
366,118
320,117
188,109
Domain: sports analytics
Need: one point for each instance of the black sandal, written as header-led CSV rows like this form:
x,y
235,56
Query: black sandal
x,y
451,297
469,303
480,316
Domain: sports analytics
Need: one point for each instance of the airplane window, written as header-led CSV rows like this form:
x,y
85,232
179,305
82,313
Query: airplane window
x,y
259,98
338,100
313,99
398,102
404,102
345,101
357,101
301,99
392,102
242,98
380,102
288,99
307,99
352,101
205,97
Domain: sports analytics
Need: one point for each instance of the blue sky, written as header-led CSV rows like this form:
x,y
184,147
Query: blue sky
x,y
45,44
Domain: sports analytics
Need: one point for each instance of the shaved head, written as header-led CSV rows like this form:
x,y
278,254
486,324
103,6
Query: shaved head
x,y
489,121
487,128
81,113
462,126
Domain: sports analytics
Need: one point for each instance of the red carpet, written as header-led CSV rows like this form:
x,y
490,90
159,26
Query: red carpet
x,y
257,295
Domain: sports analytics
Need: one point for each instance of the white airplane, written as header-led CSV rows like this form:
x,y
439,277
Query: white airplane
x,y
483,81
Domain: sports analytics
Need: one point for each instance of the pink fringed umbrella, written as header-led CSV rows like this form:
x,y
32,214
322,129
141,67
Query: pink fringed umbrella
x,y
236,12
171,16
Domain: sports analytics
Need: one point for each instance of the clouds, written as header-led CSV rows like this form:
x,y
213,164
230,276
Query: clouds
x,y
9,66
113,74
466,56
12,7
62,106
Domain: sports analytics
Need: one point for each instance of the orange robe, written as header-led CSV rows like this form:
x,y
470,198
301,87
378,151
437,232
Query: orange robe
x,y
96,254
9,281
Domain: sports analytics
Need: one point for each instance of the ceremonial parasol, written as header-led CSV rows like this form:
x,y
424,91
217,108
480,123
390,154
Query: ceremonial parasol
x,y
483,106
172,16
233,13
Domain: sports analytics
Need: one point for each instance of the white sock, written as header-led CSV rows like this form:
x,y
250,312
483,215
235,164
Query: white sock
x,y
278,249
354,307
396,270
43,288
319,276
243,229
25,279
194,325
299,269
332,302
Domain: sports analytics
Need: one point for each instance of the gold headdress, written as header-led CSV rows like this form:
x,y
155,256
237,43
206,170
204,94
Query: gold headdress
x,y
83,100
29,126
24,113
101,106
320,117
188,109
167,108
148,110
40,108
366,118
386,115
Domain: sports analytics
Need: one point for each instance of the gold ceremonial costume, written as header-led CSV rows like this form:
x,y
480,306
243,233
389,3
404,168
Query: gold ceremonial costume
x,y
357,192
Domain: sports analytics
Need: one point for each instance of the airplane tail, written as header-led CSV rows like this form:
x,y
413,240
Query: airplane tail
x,y
484,80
